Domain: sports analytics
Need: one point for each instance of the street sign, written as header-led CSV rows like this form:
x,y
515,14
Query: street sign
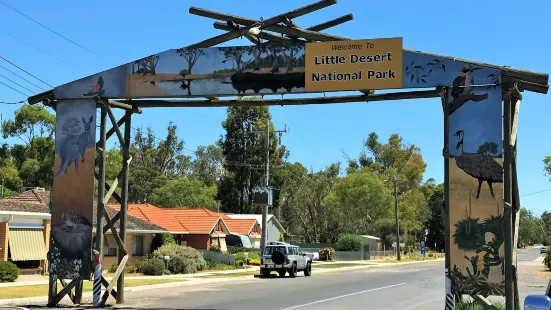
x,y
423,247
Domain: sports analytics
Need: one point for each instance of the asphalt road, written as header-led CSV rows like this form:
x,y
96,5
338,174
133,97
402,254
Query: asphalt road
x,y
412,286
415,286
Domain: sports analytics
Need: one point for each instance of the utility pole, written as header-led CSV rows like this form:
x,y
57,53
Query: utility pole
x,y
399,257
264,240
266,182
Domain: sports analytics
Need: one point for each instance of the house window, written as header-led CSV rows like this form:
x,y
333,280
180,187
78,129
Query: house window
x,y
110,251
137,245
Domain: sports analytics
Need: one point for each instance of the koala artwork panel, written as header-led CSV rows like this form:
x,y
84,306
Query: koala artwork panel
x,y
73,193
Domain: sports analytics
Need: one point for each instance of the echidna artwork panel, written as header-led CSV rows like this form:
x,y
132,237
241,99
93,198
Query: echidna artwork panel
x,y
476,184
73,192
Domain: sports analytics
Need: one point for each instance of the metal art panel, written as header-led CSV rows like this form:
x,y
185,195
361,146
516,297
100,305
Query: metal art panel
x,y
70,253
274,68
476,208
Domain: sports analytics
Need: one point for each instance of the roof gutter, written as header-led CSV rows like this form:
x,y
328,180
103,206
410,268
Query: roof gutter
x,y
27,214
10,219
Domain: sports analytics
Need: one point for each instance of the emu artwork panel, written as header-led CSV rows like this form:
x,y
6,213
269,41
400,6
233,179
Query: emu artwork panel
x,y
73,193
476,185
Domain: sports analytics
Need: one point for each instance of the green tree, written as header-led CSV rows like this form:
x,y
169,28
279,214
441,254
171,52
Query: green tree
x,y
360,200
207,165
529,230
244,156
303,202
396,159
155,162
547,165
434,194
185,192
34,126
30,122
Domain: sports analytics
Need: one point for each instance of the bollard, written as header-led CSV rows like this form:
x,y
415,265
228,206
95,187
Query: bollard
x,y
96,289
97,286
450,298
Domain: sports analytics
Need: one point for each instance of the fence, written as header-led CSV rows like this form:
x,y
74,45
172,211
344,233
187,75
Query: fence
x,y
218,257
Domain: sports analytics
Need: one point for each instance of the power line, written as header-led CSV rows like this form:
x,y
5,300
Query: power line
x,y
40,50
53,31
15,102
14,89
534,193
17,84
11,63
24,79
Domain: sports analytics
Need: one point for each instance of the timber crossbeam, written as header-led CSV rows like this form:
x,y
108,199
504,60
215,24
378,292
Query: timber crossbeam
x,y
288,102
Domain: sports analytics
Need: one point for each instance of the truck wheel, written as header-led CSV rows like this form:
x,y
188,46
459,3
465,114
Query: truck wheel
x,y
293,271
266,273
308,270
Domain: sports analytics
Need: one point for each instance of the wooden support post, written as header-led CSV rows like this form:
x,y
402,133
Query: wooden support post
x,y
101,180
70,293
78,292
449,300
507,214
516,96
124,204
58,297
117,129
486,304
52,283
116,279
331,23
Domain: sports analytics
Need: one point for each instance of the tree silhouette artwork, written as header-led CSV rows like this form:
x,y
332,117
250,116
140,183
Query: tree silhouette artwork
x,y
236,54
191,55
145,65
256,52
488,148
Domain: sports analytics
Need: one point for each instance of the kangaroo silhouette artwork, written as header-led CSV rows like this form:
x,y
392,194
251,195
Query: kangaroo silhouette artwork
x,y
74,147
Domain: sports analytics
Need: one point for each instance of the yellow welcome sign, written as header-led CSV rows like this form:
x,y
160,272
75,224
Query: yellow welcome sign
x,y
353,64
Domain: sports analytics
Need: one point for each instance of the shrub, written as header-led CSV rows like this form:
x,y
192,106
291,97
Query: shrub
x,y
179,264
152,266
326,254
349,242
8,272
253,255
184,251
161,239
254,262
127,269
201,263
547,259
214,248
237,250
242,256
217,266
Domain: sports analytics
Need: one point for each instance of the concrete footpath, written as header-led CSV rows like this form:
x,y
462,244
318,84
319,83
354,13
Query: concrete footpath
x,y
197,279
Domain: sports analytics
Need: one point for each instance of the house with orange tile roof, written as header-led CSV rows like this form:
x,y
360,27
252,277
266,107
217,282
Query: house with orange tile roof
x,y
25,231
197,228
246,227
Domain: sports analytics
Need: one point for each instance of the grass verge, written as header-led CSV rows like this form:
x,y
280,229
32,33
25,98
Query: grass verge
x,y
336,265
42,290
404,260
230,275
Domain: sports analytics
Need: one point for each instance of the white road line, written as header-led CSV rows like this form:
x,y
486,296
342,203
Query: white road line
x,y
342,296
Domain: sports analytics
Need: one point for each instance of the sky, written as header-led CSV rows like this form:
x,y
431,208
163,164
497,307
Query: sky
x,y
118,32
